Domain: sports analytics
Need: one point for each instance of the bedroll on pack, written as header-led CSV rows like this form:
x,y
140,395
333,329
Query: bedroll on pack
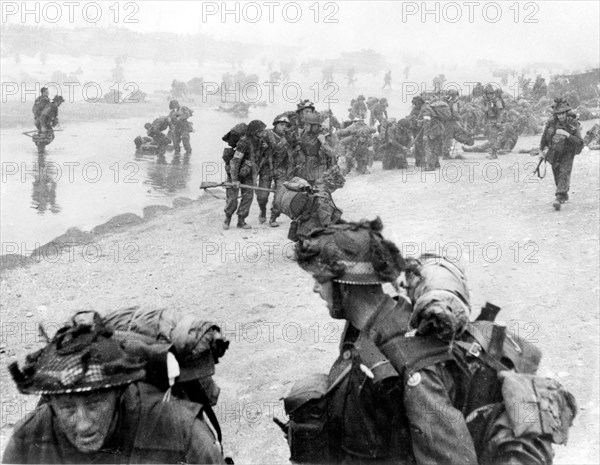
x,y
196,344
293,197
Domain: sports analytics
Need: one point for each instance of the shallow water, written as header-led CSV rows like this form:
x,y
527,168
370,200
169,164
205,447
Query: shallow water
x,y
91,173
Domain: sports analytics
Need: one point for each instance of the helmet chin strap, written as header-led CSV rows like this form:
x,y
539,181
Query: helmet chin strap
x,y
337,311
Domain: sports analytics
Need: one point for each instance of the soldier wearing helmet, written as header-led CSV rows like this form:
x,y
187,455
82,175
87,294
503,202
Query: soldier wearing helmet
x,y
493,110
561,141
244,169
272,167
314,153
379,112
303,108
38,106
359,108
180,127
156,132
48,119
454,125
417,103
395,142
434,116
96,408
387,80
379,397
320,211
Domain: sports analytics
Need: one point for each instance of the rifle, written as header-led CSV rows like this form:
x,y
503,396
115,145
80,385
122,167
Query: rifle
x,y
229,185
35,132
537,168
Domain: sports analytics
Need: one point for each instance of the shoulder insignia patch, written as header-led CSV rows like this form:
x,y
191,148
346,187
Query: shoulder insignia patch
x,y
414,379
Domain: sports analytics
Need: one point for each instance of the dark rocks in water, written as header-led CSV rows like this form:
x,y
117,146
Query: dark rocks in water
x,y
118,222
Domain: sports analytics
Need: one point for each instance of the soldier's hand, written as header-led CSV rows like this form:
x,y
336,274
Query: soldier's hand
x,y
321,138
235,184
562,132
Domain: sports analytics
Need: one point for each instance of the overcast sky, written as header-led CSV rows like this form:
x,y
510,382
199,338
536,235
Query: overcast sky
x,y
505,31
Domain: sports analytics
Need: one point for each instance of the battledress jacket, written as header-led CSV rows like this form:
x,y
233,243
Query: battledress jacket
x,y
402,412
148,431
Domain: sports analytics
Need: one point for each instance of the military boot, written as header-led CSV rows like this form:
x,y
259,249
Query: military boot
x,y
557,204
493,155
226,222
273,222
262,217
241,224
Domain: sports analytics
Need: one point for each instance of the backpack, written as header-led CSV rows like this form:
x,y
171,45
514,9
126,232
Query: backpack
x,y
442,111
197,344
39,105
153,334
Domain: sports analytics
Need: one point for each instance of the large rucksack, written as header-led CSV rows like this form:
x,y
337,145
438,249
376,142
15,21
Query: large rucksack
x,y
39,105
442,110
153,334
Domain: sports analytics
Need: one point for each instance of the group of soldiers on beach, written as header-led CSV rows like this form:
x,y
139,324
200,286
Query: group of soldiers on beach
x,y
178,126
420,378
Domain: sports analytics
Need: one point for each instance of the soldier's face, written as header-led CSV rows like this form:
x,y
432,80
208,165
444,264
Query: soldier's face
x,y
306,111
562,117
325,290
281,128
85,419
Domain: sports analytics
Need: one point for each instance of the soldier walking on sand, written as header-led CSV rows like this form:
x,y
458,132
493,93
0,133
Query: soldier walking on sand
x,y
561,141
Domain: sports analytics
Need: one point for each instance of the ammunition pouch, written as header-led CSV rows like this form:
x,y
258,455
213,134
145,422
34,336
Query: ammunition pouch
x,y
538,406
308,435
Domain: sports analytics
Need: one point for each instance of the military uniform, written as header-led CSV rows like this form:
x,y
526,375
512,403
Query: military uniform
x,y
231,203
272,169
395,141
96,408
451,126
563,141
387,80
314,156
156,132
433,133
321,212
417,130
379,112
181,128
389,397
38,106
507,141
46,121
243,168
493,108
149,431
359,108
396,417
357,150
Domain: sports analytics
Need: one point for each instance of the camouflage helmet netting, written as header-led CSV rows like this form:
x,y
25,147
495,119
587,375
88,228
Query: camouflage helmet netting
x,y
350,253
81,357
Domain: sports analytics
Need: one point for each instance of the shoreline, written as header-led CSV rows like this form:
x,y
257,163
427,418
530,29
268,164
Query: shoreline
x,y
246,281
